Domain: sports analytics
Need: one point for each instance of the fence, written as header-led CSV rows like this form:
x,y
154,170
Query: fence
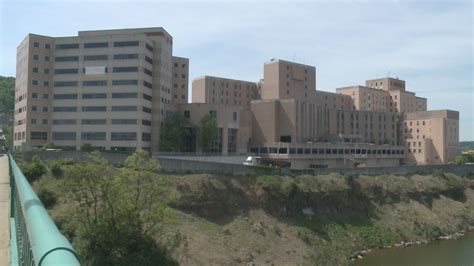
x,y
35,239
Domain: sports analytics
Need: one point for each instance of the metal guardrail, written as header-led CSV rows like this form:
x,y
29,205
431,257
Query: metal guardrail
x,y
35,239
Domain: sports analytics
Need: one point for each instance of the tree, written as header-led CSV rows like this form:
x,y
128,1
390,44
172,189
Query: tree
x,y
34,170
7,94
174,132
8,133
207,132
117,212
459,160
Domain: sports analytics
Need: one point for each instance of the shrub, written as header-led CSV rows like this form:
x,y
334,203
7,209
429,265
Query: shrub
x,y
269,182
47,197
34,170
49,145
87,147
56,169
289,188
438,173
459,160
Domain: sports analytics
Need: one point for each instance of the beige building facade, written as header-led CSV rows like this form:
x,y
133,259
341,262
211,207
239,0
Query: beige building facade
x,y
112,89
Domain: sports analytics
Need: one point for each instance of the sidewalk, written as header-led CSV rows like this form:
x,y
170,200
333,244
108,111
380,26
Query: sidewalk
x,y
4,211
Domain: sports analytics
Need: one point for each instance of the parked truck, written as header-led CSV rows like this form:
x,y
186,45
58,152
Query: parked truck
x,y
257,160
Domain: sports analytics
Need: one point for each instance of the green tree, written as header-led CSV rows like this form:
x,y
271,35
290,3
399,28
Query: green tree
x,y
117,212
174,132
7,93
459,160
8,133
207,132
35,169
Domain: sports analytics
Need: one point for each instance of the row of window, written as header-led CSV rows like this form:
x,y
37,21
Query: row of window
x,y
97,45
271,150
65,71
114,136
118,108
119,82
115,95
100,58
100,122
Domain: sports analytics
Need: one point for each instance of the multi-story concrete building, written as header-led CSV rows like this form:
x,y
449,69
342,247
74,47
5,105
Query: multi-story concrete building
x,y
112,89
108,88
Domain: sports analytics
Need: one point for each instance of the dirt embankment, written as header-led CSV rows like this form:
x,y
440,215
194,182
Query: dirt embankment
x,y
311,219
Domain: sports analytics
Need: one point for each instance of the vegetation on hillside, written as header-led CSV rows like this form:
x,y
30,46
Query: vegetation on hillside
x,y
202,219
466,145
7,93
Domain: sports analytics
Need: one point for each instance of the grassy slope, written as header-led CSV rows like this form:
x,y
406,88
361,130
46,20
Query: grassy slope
x,y
224,220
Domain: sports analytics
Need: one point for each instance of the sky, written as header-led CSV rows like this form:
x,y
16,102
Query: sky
x,y
429,44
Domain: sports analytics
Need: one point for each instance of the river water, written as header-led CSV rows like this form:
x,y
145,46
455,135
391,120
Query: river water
x,y
441,252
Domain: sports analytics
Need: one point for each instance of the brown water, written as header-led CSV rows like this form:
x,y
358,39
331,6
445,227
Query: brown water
x,y
456,252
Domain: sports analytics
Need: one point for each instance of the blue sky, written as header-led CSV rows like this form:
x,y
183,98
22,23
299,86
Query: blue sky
x,y
429,44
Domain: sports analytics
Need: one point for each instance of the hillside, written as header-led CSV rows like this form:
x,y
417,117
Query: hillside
x,y
7,93
293,220
466,145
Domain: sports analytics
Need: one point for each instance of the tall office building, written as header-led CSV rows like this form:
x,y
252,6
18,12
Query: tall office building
x,y
108,88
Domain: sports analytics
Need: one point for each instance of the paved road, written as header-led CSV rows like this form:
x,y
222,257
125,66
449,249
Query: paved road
x,y
4,212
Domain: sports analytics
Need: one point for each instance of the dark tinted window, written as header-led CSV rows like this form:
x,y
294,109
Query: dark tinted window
x,y
126,43
146,110
39,135
64,135
146,122
96,57
123,136
149,60
125,95
93,135
125,82
94,95
124,121
146,137
124,69
67,46
125,56
60,71
124,108
65,96
94,83
66,58
94,108
65,84
148,72
93,121
147,84
65,109
147,97
64,121
96,45
149,47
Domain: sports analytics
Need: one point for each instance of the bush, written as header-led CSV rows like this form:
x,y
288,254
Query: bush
x,y
87,147
56,169
49,145
438,173
34,170
47,197
459,160
269,182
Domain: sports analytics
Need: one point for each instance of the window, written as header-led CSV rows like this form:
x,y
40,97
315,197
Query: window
x,y
234,116
92,135
39,135
123,95
123,136
94,83
65,96
124,108
45,121
45,83
65,84
33,121
36,44
64,121
126,43
96,57
35,70
64,109
125,56
147,84
62,71
47,46
148,72
124,82
232,140
149,47
64,135
94,108
34,82
96,45
95,70
124,69
46,58
34,95
45,108
66,58
35,57
93,121
146,122
187,114
46,70
34,108
94,95
124,121
213,114
146,110
149,60
67,46
147,97
146,136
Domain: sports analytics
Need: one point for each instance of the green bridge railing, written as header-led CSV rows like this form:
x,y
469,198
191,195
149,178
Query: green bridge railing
x,y
35,239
